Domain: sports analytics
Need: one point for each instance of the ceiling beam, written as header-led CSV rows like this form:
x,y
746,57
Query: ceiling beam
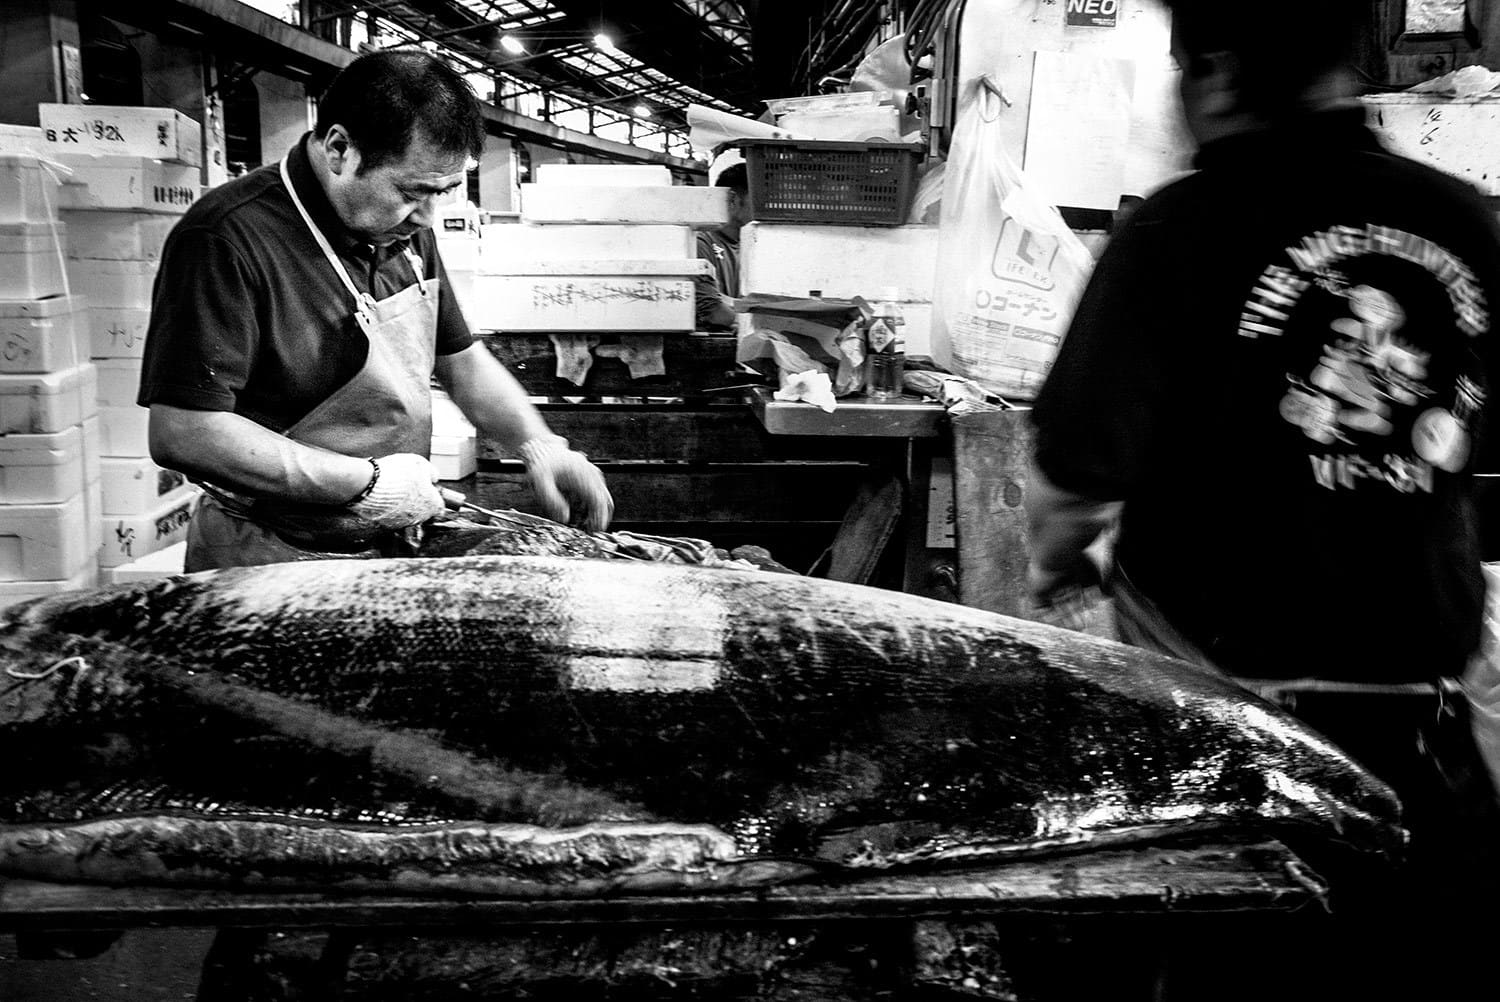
x,y
262,40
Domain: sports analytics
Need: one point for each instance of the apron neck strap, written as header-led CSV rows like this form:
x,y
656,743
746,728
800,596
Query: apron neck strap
x,y
361,299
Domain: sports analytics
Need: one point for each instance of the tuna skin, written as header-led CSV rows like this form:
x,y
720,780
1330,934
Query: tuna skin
x,y
769,726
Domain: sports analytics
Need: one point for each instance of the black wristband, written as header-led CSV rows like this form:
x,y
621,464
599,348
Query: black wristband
x,y
374,479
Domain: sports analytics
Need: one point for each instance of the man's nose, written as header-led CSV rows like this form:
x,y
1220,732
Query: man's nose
x,y
425,213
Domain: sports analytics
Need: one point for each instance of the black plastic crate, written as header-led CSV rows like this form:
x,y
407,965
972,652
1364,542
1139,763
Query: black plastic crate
x,y
801,180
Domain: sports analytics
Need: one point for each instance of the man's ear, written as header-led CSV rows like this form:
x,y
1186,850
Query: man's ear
x,y
339,150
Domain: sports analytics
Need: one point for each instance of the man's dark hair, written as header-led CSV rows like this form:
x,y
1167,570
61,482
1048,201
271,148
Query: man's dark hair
x,y
382,99
735,176
1281,46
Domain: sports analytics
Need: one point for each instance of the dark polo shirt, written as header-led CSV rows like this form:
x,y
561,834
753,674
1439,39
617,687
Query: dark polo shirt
x,y
248,316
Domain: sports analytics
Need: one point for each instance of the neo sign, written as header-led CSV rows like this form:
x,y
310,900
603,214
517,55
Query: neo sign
x,y
1093,13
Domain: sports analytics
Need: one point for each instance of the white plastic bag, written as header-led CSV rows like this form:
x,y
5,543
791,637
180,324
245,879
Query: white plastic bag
x,y
1009,269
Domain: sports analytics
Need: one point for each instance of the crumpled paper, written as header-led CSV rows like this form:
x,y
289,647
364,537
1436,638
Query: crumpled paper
x,y
789,335
813,386
1467,81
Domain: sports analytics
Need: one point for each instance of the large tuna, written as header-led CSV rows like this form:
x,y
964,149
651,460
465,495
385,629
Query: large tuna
x,y
541,726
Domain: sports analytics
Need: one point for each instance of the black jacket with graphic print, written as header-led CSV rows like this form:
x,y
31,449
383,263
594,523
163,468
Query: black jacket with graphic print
x,y
1280,366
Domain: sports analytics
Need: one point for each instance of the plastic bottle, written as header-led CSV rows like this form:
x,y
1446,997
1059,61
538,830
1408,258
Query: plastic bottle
x,y
886,348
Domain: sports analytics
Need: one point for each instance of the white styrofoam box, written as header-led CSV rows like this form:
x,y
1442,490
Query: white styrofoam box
x,y
38,403
791,259
93,510
681,204
519,242
447,419
121,236
117,332
607,175
1460,136
124,431
128,184
12,592
119,381
122,131
30,261
461,285
617,269
41,469
130,537
581,303
92,441
161,564
121,284
131,486
44,542
459,253
24,140
41,335
28,194
454,456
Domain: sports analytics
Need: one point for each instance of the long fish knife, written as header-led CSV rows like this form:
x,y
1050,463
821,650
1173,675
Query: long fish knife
x,y
458,501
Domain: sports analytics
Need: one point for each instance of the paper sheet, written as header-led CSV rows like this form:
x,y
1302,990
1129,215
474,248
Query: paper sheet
x,y
1079,129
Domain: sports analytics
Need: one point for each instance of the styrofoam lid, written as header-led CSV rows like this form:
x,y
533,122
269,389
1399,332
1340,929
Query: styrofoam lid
x,y
38,309
42,450
12,159
91,160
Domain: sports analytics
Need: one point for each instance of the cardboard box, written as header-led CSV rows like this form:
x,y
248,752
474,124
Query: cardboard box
x,y
44,542
683,205
581,303
134,485
118,236
118,284
124,431
28,194
42,335
128,184
130,537
41,469
39,403
519,242
31,260
13,592
115,130
116,331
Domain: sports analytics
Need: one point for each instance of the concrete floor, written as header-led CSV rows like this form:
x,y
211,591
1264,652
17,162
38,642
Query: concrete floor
x,y
144,965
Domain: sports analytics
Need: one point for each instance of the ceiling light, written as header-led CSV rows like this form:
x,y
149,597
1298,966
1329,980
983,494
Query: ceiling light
x,y
512,44
604,42
641,111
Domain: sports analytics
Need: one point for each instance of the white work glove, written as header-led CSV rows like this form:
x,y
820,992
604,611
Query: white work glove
x,y
404,493
569,488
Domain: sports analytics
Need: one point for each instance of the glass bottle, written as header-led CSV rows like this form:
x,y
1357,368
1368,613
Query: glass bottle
x,y
885,359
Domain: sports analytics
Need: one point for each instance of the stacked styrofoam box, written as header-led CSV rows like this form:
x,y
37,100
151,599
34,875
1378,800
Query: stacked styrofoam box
x,y
119,211
599,248
793,259
455,446
47,390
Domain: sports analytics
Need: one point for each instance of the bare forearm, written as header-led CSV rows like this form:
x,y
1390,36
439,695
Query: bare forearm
x,y
490,397
239,454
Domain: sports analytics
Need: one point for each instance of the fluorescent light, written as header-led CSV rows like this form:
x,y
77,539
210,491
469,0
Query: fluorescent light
x,y
641,111
512,44
604,42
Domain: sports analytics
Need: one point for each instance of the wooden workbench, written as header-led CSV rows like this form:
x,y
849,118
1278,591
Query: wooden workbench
x,y
1040,930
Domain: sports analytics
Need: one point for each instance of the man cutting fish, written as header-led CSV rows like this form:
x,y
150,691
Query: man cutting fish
x,y
299,315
